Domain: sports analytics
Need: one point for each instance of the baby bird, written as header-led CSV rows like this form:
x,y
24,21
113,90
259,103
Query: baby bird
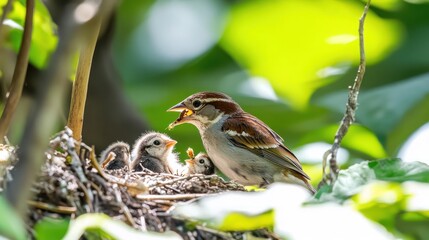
x,y
200,164
154,151
115,156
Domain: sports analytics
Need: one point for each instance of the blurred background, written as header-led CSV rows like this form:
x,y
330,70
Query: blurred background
x,y
287,62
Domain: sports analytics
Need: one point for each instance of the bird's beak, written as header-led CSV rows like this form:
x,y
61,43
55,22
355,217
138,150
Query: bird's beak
x,y
185,112
170,143
177,108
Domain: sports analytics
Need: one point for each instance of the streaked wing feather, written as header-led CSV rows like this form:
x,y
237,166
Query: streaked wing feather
x,y
251,133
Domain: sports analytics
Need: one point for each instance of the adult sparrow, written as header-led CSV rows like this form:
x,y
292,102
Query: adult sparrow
x,y
200,164
240,145
115,156
154,151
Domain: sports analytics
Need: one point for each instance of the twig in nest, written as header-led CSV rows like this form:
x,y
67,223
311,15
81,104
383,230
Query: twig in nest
x,y
173,197
349,116
170,182
88,196
124,207
136,186
76,164
52,208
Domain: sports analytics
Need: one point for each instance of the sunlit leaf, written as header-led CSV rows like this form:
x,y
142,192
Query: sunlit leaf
x,y
10,225
395,204
239,222
358,138
44,38
112,228
291,43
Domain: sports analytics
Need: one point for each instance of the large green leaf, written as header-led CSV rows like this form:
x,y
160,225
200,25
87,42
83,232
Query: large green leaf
x,y
50,228
358,139
385,109
353,179
295,44
398,171
44,39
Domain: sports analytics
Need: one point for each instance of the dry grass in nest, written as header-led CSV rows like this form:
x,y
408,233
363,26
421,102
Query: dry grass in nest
x,y
71,184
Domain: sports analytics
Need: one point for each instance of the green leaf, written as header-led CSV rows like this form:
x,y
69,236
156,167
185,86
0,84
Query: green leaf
x,y
239,222
10,225
296,44
397,171
400,207
44,39
103,225
358,139
50,228
353,179
385,109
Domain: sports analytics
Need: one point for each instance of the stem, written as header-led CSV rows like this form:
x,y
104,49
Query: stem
x,y
15,90
80,85
351,106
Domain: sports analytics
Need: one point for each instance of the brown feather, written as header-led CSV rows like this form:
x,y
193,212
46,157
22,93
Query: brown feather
x,y
247,131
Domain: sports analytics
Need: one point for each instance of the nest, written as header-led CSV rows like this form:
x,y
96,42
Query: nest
x,y
71,184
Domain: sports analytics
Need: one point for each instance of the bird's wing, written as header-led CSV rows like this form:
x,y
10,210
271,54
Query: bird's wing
x,y
246,131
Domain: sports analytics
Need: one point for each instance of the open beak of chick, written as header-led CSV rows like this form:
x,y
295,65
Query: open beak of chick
x,y
170,143
184,114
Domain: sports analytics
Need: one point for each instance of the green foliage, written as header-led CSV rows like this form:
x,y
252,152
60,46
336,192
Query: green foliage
x,y
44,39
308,52
50,228
385,109
274,39
10,225
351,180
384,191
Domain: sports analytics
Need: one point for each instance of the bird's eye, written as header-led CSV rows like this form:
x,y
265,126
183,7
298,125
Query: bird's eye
x,y
196,103
156,142
201,161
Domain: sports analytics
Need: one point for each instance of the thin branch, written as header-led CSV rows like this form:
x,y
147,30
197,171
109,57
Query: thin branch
x,y
15,90
52,208
125,209
351,106
43,117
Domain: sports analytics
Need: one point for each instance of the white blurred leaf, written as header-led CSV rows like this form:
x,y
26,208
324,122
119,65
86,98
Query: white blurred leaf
x,y
253,209
115,229
327,221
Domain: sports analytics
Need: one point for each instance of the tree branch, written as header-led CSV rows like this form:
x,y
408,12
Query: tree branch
x,y
15,90
351,106
80,85
43,118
